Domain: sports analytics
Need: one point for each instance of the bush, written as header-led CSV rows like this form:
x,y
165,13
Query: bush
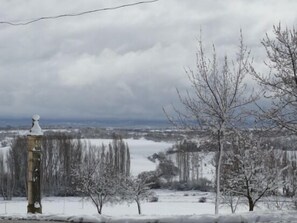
x,y
151,178
153,199
202,199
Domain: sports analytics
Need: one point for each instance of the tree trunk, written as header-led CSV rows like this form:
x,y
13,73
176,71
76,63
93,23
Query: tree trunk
x,y
138,206
251,204
218,170
99,208
98,204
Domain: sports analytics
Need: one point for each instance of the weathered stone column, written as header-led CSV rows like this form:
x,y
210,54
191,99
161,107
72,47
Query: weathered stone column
x,y
34,167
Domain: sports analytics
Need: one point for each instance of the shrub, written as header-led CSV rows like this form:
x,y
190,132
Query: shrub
x,y
153,199
202,199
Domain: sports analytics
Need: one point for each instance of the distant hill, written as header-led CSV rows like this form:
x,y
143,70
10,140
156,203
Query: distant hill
x,y
103,123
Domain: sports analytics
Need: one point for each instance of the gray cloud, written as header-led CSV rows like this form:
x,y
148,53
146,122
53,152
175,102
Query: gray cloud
x,y
124,63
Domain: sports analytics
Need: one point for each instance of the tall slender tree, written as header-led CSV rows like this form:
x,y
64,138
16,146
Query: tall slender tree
x,y
217,98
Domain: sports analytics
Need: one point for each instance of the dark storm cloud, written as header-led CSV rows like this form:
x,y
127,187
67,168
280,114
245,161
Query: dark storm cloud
x,y
121,63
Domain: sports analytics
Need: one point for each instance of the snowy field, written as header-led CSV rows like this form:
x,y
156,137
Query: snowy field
x,y
172,206
169,203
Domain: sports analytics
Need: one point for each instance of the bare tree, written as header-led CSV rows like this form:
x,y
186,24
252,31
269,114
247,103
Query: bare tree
x,y
231,199
217,98
136,189
96,179
251,170
101,171
280,84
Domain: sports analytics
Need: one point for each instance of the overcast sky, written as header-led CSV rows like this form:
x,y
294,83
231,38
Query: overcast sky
x,y
124,63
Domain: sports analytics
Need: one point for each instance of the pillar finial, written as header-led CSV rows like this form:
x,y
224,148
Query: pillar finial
x,y
35,130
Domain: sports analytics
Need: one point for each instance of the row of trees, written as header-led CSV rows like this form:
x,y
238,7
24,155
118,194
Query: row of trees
x,y
61,156
220,100
189,161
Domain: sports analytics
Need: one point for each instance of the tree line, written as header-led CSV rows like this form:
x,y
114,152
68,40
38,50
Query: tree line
x,y
62,154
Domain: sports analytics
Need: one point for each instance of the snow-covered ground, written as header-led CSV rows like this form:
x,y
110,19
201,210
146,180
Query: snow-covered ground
x,y
169,203
172,207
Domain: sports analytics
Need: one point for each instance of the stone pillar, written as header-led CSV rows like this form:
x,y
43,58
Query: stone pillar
x,y
34,167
